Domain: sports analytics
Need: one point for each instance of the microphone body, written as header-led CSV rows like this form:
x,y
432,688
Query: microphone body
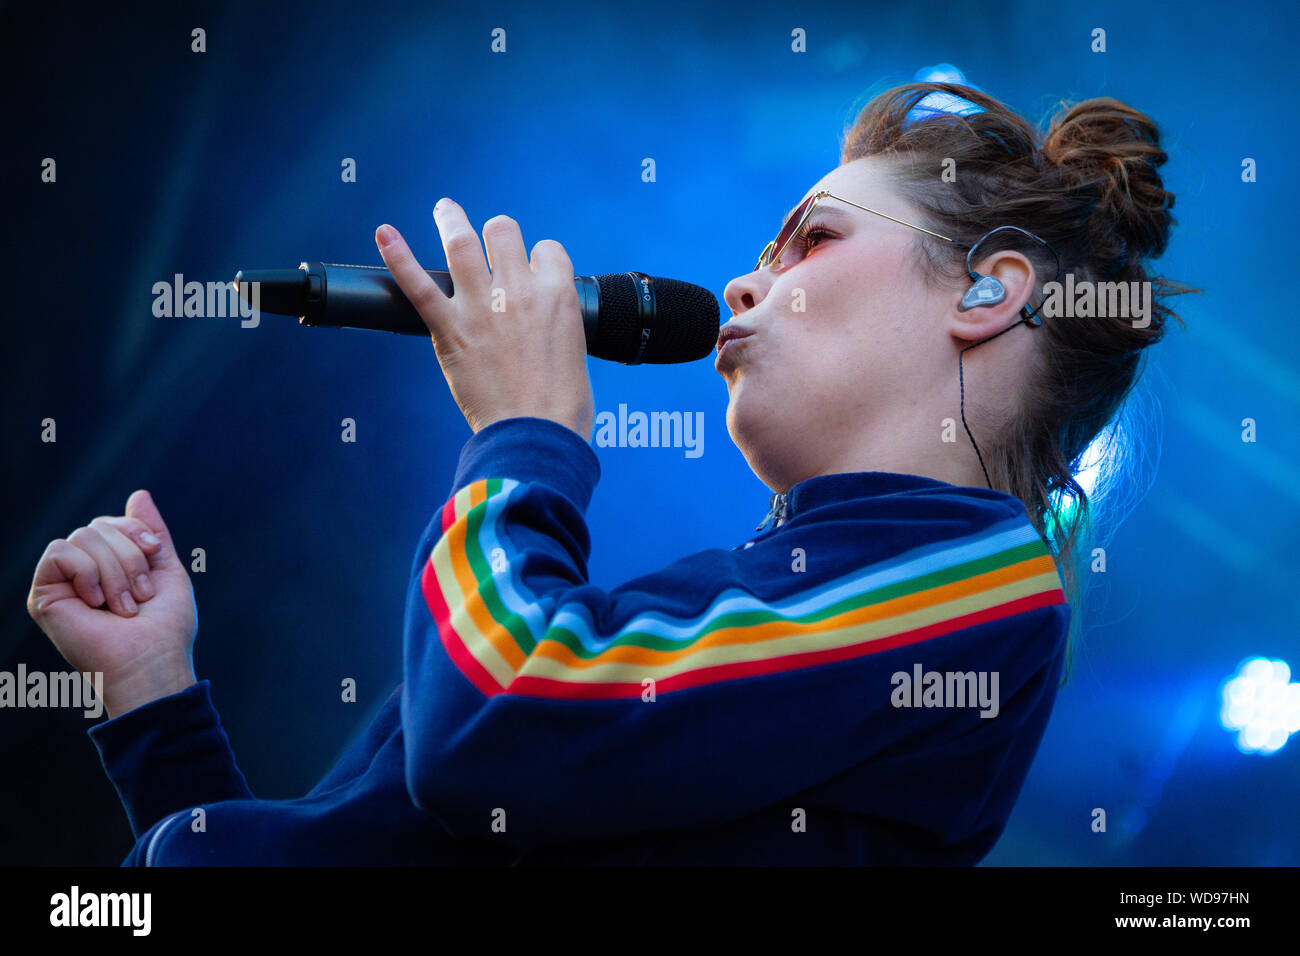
x,y
627,317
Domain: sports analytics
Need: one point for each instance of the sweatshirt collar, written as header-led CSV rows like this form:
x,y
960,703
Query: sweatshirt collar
x,y
824,489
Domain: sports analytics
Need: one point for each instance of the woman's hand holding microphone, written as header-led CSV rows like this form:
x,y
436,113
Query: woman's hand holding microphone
x,y
510,340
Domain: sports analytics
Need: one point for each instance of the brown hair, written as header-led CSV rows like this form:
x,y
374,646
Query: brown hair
x,y
1089,187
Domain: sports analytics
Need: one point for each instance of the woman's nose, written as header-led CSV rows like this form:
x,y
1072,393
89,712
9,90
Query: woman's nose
x,y
744,292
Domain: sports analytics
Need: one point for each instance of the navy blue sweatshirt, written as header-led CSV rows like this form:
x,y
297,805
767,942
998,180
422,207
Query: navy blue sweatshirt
x,y
864,682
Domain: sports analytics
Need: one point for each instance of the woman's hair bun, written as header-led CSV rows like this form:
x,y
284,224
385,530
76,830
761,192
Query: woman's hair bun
x,y
1111,154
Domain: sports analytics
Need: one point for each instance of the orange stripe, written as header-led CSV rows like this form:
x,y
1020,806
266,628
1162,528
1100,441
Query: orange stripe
x,y
473,603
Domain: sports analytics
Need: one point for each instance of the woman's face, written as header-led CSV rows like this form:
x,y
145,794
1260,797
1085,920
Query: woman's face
x,y
847,342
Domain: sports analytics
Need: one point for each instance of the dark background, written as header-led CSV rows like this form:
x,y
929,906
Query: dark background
x,y
172,161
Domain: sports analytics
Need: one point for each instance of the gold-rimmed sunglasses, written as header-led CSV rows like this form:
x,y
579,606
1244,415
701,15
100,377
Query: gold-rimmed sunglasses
x,y
775,250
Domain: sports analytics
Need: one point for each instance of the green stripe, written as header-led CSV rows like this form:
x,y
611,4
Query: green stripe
x,y
482,571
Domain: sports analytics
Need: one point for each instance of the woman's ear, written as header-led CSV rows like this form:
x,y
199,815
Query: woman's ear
x,y
992,303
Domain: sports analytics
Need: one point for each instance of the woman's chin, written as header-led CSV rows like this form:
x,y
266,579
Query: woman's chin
x,y
749,428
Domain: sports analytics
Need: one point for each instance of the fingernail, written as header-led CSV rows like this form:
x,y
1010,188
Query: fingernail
x,y
148,537
438,204
97,595
385,235
143,583
128,602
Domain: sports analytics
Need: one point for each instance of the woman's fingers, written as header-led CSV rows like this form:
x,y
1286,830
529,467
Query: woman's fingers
x,y
64,566
414,282
501,369
505,248
104,563
550,257
113,580
144,525
465,262
134,564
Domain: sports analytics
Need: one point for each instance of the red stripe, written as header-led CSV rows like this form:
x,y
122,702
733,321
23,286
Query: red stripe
x,y
455,647
449,513
525,686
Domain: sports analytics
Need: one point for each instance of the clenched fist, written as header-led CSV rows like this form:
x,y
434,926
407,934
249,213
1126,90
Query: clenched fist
x,y
114,597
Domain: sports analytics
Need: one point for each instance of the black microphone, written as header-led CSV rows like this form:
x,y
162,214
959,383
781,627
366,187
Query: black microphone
x,y
628,317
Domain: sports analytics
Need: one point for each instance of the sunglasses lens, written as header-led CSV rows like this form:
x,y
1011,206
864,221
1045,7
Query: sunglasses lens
x,y
788,228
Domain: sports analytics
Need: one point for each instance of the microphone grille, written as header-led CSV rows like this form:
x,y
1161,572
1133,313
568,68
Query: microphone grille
x,y
684,326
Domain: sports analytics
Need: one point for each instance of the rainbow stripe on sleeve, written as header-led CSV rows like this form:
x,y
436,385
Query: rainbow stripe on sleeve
x,y
499,636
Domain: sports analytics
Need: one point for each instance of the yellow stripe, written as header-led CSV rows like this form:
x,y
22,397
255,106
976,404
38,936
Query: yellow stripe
x,y
488,628
489,643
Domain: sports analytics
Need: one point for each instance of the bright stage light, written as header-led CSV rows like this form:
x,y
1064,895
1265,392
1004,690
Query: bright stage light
x,y
1262,705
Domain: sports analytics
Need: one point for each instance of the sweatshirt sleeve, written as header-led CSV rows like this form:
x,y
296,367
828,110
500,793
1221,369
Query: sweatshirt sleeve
x,y
538,708
167,755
